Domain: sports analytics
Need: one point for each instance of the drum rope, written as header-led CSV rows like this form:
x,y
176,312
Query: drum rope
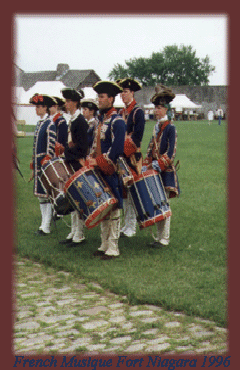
x,y
150,193
140,200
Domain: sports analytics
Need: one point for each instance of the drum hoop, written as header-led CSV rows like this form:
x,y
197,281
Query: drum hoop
x,y
98,211
151,221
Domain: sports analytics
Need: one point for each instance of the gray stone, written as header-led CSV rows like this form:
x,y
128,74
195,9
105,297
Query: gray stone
x,y
27,295
157,340
65,302
150,331
40,340
172,324
53,319
141,313
95,347
149,319
94,324
31,325
158,347
93,310
135,347
117,319
120,340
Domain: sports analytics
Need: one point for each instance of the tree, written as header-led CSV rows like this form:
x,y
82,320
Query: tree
x,y
174,66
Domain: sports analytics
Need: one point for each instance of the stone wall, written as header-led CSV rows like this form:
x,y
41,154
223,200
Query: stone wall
x,y
210,97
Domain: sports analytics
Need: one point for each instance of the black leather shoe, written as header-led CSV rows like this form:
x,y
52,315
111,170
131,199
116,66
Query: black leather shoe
x,y
98,253
65,241
74,244
156,245
107,257
40,232
122,235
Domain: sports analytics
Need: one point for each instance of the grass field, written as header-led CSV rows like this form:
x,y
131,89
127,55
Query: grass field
x,y
191,274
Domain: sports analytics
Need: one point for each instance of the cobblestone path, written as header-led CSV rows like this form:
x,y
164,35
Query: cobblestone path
x,y
57,313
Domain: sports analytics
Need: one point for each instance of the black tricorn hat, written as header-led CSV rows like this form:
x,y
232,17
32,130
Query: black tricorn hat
x,y
42,99
60,101
90,104
108,87
164,95
72,94
130,83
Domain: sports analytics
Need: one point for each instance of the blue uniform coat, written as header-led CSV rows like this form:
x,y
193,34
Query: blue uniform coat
x,y
43,145
112,137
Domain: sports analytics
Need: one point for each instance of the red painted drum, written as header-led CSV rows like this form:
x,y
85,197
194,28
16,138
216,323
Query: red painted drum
x,y
53,177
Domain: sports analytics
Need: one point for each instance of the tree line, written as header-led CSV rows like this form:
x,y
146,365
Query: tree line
x,y
174,66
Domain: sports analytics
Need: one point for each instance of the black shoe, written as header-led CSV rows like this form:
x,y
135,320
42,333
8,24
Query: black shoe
x,y
122,235
107,257
65,241
74,244
98,253
56,217
156,245
40,232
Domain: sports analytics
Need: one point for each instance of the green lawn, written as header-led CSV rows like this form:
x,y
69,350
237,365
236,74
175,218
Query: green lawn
x,y
191,274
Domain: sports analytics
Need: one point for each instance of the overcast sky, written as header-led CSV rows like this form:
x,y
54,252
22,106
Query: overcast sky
x,y
100,42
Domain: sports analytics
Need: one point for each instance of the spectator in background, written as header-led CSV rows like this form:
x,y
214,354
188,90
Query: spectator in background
x,y
210,116
219,115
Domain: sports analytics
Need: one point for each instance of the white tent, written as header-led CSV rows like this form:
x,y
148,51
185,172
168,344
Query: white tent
x,y
51,88
89,93
181,101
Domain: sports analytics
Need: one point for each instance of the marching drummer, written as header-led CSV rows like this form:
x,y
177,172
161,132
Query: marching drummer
x,y
75,154
160,156
89,111
135,123
108,145
43,150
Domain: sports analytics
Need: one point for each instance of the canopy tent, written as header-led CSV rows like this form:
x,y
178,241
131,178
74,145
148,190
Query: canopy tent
x,y
181,101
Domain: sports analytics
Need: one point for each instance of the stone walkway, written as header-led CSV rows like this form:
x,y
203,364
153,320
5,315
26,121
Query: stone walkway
x,y
57,313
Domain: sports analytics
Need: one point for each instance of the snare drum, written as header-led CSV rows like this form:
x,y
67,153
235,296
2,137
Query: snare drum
x,y
54,175
90,195
149,199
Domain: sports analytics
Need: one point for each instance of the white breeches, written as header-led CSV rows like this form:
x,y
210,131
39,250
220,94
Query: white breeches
x,y
163,229
77,228
110,232
130,221
46,213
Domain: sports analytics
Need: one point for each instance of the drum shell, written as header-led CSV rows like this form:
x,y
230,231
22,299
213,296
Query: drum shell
x,y
54,175
90,195
149,199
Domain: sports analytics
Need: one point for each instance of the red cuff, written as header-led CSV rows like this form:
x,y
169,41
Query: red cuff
x,y
59,149
161,164
45,159
129,147
104,166
31,166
